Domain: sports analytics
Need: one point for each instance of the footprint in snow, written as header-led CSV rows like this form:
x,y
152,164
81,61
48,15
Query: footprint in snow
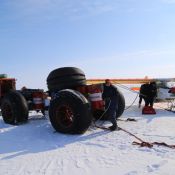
x,y
154,167
132,173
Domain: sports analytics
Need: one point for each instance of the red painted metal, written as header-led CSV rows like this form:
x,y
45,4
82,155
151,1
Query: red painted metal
x,y
148,110
7,84
95,96
38,100
172,90
65,115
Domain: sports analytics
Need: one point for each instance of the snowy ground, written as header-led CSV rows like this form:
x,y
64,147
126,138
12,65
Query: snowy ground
x,y
35,149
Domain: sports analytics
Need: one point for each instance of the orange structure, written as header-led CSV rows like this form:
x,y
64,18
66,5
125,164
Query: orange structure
x,y
121,81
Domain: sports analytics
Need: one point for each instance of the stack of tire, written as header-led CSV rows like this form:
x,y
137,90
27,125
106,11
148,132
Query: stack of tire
x,y
69,110
65,78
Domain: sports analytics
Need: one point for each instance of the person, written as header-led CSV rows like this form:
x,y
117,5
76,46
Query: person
x,y
152,94
23,88
148,92
144,91
110,96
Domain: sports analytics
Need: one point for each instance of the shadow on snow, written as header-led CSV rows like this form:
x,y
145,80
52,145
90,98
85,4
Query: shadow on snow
x,y
37,136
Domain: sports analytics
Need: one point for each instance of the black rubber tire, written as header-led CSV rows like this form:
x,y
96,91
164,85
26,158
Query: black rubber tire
x,y
121,107
74,103
65,78
14,108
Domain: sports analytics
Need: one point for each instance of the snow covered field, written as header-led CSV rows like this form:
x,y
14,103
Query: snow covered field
x,y
35,149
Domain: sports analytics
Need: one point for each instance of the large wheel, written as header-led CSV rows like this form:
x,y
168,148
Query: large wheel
x,y
69,112
65,78
99,114
14,108
121,105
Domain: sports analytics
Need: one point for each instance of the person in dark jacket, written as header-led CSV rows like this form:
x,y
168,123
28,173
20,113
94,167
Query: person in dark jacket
x,y
148,92
143,94
110,96
152,94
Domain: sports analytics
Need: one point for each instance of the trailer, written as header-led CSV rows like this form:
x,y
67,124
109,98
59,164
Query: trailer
x,y
74,103
16,104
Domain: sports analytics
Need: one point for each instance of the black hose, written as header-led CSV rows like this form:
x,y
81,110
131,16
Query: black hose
x,y
132,103
127,88
104,111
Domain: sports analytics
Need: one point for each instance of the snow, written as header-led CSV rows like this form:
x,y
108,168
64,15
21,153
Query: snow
x,y
36,149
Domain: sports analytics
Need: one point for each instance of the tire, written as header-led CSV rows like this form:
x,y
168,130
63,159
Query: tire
x,y
69,112
121,107
65,78
14,108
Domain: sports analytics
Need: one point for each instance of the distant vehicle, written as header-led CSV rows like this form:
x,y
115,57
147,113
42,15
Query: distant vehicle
x,y
164,89
15,104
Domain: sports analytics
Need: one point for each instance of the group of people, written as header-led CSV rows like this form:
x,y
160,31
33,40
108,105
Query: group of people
x,y
148,93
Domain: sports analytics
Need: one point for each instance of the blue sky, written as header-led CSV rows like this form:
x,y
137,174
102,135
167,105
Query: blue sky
x,y
105,38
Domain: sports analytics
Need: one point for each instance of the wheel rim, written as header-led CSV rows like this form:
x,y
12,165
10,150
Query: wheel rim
x,y
64,116
7,112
